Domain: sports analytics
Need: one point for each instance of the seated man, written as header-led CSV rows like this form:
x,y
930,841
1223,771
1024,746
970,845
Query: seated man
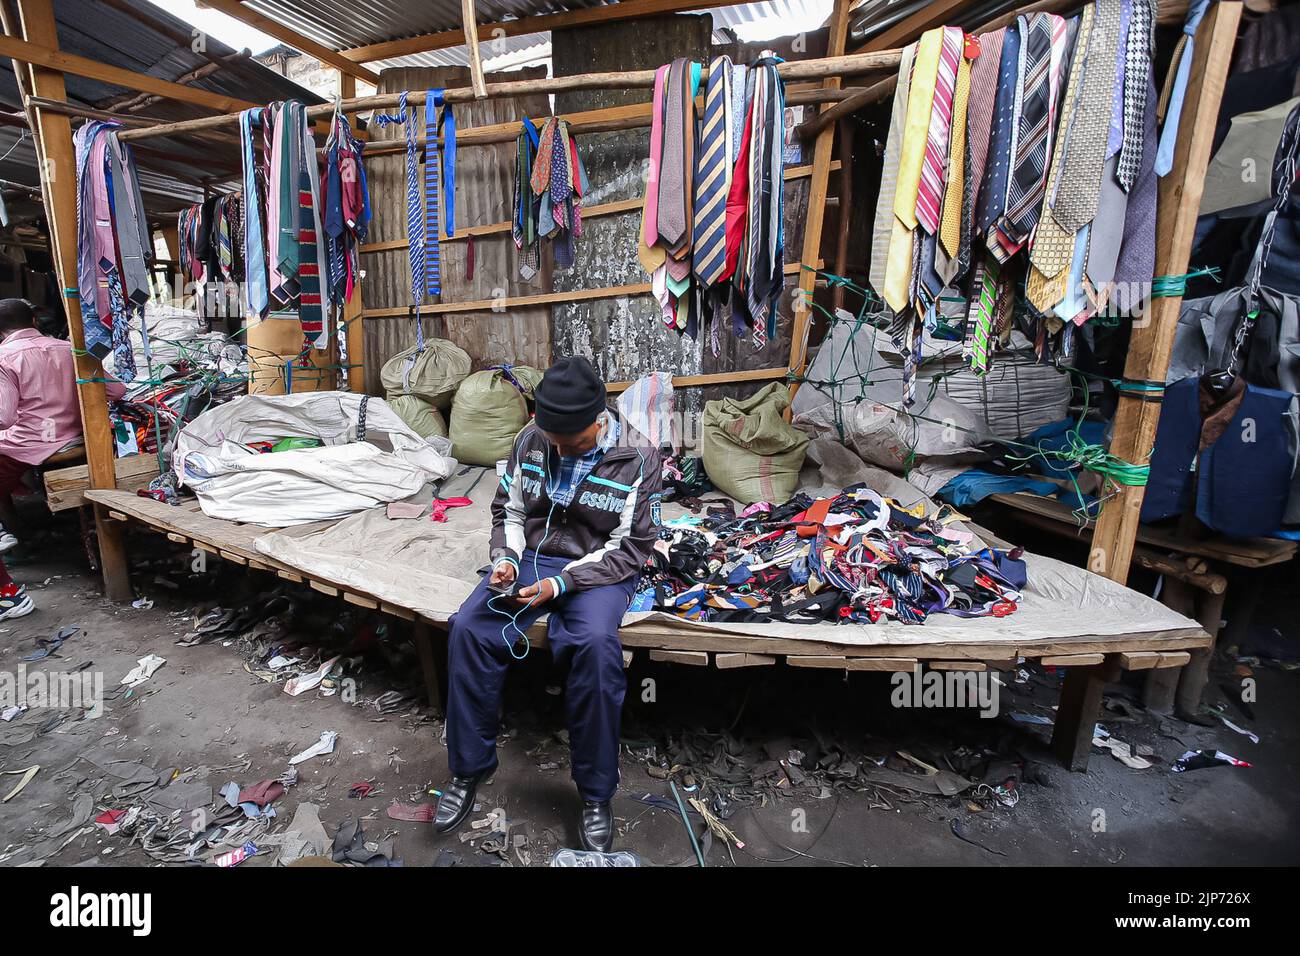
x,y
39,412
571,527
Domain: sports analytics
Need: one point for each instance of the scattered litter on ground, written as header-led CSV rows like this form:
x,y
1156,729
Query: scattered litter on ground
x,y
1118,749
144,668
323,746
1200,759
27,774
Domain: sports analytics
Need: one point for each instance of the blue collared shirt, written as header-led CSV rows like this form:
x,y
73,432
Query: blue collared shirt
x,y
574,469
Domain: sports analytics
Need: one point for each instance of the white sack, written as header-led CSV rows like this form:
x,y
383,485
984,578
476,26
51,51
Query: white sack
x,y
310,484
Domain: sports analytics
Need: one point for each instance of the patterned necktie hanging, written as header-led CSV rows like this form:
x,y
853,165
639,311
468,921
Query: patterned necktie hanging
x,y
439,184
414,223
523,219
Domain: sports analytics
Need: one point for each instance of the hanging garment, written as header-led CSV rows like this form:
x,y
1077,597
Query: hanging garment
x,y
113,248
1229,457
550,181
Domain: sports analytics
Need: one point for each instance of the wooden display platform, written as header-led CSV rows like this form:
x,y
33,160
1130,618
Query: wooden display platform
x,y
1091,659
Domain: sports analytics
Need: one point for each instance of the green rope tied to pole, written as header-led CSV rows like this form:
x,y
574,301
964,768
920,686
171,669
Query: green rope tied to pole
x,y
1175,286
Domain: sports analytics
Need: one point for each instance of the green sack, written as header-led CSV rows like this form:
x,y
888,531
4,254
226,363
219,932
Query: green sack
x,y
433,374
750,451
292,444
488,412
421,417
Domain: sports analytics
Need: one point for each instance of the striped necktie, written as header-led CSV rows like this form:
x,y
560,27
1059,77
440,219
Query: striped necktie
x,y
931,187
1025,193
439,185
954,193
713,171
920,101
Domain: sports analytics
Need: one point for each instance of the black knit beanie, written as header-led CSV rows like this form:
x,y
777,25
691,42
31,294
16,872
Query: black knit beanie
x,y
570,397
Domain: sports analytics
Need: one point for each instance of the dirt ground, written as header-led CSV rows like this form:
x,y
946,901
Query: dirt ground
x,y
204,711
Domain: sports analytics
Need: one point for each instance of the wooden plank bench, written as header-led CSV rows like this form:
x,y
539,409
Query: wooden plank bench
x,y
1089,657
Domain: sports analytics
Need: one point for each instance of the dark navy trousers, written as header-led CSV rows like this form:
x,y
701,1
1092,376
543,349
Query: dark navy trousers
x,y
583,635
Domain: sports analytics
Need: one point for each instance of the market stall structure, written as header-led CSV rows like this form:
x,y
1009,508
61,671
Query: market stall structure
x,y
818,82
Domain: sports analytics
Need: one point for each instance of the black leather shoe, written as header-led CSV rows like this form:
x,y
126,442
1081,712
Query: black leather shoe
x,y
597,827
456,802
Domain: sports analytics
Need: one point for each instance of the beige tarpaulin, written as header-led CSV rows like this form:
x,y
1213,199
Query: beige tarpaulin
x,y
431,567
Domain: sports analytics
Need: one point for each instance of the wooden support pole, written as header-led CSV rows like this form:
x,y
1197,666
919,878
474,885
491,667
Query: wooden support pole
x,y
812,236
1077,715
476,82
1153,336
59,177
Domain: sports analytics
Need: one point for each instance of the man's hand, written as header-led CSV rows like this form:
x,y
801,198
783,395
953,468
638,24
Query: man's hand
x,y
503,574
539,593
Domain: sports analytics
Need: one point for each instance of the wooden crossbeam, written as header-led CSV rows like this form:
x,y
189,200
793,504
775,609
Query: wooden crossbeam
x,y
237,11
54,59
524,301
595,212
608,13
790,71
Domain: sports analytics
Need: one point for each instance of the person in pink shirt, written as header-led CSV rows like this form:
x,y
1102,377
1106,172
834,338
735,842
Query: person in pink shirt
x,y
39,415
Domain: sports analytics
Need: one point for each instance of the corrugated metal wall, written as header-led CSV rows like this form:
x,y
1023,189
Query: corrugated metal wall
x,y
484,185
624,337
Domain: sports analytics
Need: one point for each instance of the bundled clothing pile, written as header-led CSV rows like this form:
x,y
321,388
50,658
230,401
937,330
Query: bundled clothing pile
x,y
711,234
211,240
1025,156
854,558
550,182
284,243
114,249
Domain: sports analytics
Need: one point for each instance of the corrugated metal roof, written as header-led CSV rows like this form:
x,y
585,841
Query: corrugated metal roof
x,y
785,17
341,24
135,35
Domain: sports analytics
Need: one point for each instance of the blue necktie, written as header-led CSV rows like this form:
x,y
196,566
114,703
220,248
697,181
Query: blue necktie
x,y
713,176
993,191
255,293
1169,135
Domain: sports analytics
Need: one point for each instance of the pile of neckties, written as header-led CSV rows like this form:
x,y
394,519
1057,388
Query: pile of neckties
x,y
550,182
857,557
711,233
284,243
114,248
1024,157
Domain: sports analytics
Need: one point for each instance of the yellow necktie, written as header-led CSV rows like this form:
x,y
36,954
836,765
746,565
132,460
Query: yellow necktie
x,y
920,100
916,130
1053,247
950,223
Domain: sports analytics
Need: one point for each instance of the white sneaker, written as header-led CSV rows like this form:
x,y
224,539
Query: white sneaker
x,y
7,540
15,604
